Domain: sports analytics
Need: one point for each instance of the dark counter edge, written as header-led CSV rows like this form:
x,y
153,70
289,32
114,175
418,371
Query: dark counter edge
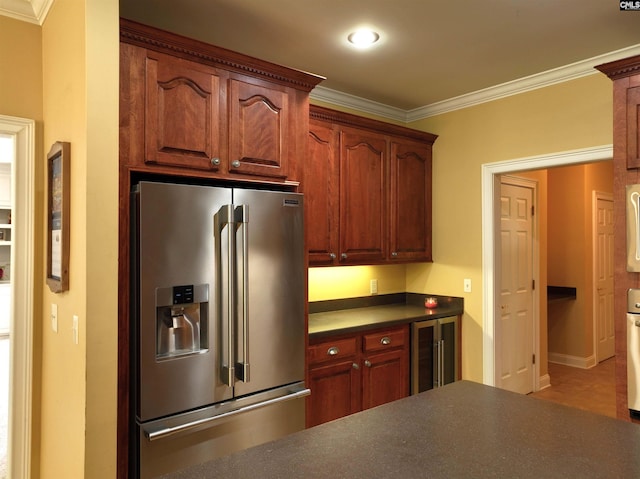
x,y
447,306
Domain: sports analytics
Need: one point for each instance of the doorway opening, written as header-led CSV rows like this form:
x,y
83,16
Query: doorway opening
x,y
491,174
21,133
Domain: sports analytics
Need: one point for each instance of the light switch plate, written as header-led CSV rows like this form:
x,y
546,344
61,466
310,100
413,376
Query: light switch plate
x,y
373,286
467,285
74,328
54,317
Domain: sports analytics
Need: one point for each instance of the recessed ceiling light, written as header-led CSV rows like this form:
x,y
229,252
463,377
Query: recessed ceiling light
x,y
363,38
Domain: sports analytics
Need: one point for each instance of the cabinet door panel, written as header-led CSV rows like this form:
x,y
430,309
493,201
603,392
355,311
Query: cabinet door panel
x,y
182,113
410,202
258,129
633,127
321,193
384,378
335,392
363,197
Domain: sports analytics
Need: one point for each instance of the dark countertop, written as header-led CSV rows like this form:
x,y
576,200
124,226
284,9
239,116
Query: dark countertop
x,y
401,309
461,430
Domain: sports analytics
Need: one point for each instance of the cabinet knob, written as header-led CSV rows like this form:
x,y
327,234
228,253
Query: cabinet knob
x,y
394,254
215,161
355,366
385,341
235,163
367,363
332,351
332,255
343,255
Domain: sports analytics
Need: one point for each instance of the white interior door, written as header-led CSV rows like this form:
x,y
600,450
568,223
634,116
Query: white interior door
x,y
603,272
514,331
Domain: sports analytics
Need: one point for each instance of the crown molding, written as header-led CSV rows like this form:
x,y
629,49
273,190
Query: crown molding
x,y
515,87
31,11
338,98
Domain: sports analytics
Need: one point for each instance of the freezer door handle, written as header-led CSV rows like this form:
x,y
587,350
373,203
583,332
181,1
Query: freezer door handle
x,y
221,220
157,434
241,217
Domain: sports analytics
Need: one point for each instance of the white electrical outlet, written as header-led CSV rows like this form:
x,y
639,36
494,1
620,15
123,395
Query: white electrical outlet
x,y
467,285
74,329
373,286
54,317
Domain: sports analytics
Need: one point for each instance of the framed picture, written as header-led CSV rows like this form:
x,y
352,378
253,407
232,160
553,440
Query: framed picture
x,y
58,217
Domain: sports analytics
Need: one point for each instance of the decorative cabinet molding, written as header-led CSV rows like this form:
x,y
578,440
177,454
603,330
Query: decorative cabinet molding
x,y
368,191
626,90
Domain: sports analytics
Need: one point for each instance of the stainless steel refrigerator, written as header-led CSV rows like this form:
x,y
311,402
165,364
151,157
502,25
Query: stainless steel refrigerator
x,y
218,315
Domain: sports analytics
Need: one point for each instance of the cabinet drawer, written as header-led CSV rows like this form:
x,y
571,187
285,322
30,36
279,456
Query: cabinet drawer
x,y
382,340
330,350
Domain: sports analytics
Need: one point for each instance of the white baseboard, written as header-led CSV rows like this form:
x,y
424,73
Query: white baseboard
x,y
544,382
573,361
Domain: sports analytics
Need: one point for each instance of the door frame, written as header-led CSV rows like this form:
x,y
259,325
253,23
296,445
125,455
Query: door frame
x,y
489,192
22,296
528,183
596,195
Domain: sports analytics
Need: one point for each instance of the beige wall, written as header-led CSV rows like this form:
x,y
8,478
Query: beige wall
x,y
78,400
567,116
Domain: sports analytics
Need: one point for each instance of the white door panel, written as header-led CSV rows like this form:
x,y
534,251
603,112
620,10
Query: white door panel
x,y
603,284
515,332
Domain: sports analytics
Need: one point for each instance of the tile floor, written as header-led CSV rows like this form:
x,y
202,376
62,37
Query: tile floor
x,y
589,389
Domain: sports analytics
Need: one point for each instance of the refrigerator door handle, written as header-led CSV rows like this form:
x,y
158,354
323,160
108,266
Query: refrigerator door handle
x,y
241,217
221,220
154,435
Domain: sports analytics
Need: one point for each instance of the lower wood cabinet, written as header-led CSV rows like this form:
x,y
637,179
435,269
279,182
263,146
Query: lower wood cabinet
x,y
349,373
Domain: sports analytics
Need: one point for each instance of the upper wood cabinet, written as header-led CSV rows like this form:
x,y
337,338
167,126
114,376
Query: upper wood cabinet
x,y
410,230
322,193
368,191
183,102
194,109
363,196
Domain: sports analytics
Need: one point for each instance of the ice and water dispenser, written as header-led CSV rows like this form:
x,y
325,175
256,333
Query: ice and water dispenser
x,y
182,317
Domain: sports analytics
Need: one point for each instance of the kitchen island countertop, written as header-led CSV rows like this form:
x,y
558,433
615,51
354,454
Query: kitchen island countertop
x,y
461,430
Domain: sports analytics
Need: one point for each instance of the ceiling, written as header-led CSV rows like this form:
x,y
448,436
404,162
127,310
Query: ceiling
x,y
430,51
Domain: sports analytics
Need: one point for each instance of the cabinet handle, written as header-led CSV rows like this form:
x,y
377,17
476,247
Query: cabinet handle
x,y
235,163
394,254
332,255
355,366
332,351
367,363
343,255
385,341
215,161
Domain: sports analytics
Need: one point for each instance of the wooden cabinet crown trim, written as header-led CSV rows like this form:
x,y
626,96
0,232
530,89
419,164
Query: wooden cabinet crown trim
x,y
326,114
621,68
190,49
